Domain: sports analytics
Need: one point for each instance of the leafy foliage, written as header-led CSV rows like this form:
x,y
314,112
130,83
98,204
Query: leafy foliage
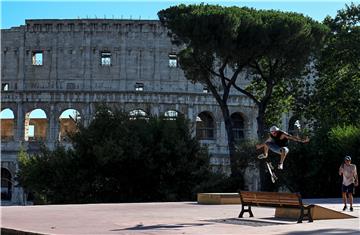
x,y
312,169
222,44
334,109
345,138
121,159
337,95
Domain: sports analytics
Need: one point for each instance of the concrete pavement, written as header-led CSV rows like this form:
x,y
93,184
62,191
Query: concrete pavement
x,y
167,218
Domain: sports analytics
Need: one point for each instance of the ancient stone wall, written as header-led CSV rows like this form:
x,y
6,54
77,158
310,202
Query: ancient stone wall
x,y
55,65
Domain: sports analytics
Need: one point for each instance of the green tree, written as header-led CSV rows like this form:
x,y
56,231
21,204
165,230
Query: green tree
x,y
225,44
337,90
333,108
50,175
317,164
121,159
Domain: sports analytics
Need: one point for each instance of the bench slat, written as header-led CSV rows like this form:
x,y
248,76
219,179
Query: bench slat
x,y
275,202
273,199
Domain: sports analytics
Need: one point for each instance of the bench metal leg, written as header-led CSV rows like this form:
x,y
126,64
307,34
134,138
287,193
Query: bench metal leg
x,y
309,213
302,214
301,217
245,210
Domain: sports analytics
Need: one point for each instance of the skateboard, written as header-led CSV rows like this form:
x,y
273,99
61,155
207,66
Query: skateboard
x,y
271,171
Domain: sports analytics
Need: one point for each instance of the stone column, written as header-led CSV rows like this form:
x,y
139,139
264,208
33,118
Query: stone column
x,y
154,110
19,125
21,65
192,118
53,127
87,111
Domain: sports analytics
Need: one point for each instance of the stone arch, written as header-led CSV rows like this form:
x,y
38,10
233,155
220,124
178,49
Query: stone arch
x,y
138,114
238,122
36,124
68,120
7,118
205,126
294,125
172,114
6,184
94,114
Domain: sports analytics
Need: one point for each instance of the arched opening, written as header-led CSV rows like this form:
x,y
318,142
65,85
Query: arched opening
x,y
171,115
7,124
6,184
294,126
68,120
205,126
137,114
36,125
238,126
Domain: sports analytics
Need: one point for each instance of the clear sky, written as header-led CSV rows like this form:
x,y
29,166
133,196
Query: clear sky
x,y
14,12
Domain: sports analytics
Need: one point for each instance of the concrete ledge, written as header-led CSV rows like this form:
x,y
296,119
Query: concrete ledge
x,y
218,198
318,213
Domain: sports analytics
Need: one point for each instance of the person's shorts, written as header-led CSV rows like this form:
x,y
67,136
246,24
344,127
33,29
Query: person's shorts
x,y
276,148
348,189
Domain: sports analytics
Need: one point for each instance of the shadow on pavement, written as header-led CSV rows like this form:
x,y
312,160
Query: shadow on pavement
x,y
248,222
326,231
161,226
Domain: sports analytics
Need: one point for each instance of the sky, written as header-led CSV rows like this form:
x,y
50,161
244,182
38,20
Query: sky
x,y
14,12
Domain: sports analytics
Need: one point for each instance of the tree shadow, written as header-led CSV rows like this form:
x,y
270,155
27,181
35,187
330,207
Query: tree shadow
x,y
246,221
325,231
161,226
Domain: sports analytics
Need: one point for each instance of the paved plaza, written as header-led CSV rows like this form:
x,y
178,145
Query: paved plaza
x,y
167,218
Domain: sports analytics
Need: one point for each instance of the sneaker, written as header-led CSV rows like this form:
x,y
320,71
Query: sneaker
x,y
280,166
262,156
345,207
351,209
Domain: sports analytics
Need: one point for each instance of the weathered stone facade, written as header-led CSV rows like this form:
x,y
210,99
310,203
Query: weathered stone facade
x,y
55,65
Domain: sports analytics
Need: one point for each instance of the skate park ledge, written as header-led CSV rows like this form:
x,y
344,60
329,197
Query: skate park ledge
x,y
317,212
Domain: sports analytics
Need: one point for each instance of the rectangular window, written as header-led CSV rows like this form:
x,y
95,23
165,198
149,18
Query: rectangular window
x,y
70,86
105,27
48,27
71,27
4,86
37,27
37,58
59,27
105,59
172,60
82,26
93,26
117,26
205,89
31,131
139,86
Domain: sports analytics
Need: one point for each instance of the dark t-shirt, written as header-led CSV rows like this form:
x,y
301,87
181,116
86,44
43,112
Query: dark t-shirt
x,y
280,142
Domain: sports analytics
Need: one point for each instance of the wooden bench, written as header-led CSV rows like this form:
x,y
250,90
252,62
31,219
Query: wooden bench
x,y
274,199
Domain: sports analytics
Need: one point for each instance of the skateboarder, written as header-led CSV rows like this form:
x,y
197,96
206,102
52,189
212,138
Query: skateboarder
x,y
277,142
350,180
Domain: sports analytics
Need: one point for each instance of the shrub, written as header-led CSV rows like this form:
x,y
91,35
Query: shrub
x,y
118,159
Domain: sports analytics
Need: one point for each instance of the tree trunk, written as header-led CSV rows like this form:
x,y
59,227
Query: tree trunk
x,y
261,122
230,139
261,132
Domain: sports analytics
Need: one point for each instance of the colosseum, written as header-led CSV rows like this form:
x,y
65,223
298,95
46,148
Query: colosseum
x,y
56,71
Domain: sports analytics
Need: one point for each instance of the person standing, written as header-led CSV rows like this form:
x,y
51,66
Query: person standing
x,y
349,181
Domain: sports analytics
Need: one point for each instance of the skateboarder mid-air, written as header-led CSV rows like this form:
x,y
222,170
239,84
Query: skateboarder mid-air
x,y
277,142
